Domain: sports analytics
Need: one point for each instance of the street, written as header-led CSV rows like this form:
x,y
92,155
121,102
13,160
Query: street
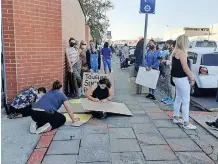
x,y
147,137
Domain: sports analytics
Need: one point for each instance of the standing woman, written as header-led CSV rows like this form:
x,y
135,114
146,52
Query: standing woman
x,y
75,68
180,73
44,112
83,56
152,62
106,53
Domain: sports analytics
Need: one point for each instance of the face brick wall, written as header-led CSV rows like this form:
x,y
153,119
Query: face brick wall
x,y
9,46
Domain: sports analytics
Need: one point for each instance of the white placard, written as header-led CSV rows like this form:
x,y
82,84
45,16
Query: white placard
x,y
91,78
147,78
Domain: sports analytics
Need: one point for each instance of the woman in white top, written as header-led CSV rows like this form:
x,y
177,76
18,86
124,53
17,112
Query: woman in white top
x,y
75,65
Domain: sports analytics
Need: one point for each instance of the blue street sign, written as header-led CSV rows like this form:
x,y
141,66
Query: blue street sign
x,y
147,6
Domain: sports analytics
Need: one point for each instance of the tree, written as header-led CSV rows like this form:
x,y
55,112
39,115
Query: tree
x,y
95,16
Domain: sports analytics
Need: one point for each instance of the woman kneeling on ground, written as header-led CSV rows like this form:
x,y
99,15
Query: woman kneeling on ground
x,y
100,92
44,114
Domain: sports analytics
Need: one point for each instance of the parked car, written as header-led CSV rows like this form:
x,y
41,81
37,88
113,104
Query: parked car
x,y
204,66
203,44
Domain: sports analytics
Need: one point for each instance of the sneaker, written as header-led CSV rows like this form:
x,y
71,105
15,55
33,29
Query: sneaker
x,y
44,128
33,127
189,126
149,95
211,124
177,121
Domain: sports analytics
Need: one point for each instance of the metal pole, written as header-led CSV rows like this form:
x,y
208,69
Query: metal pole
x,y
144,47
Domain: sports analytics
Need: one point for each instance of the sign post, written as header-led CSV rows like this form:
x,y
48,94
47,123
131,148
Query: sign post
x,y
146,7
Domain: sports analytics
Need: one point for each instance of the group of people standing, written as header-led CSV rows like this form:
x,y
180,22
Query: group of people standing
x,y
84,58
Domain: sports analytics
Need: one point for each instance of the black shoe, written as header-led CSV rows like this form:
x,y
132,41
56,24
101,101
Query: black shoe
x,y
149,95
152,97
210,124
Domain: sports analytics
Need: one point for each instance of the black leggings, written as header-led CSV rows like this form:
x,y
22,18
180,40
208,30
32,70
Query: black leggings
x,y
56,119
24,111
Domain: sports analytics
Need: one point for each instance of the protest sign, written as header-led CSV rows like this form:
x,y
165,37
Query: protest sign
x,y
147,78
91,78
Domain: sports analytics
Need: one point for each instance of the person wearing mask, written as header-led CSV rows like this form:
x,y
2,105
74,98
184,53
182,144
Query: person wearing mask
x,y
100,92
106,53
139,54
181,74
82,52
74,62
92,57
44,113
21,105
152,62
126,54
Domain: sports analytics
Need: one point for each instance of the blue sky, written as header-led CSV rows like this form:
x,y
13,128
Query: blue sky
x,y
127,23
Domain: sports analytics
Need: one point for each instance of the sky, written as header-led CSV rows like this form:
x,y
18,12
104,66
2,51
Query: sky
x,y
126,22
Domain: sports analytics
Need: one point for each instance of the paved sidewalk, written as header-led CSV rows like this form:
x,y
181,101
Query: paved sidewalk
x,y
147,137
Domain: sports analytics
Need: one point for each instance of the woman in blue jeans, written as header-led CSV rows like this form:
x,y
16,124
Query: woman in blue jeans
x,y
152,62
106,53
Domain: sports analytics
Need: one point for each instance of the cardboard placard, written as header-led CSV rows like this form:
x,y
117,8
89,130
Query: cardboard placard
x,y
110,107
76,108
147,78
83,119
91,78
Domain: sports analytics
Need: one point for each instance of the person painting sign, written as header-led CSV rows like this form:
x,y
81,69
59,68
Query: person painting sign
x,y
91,78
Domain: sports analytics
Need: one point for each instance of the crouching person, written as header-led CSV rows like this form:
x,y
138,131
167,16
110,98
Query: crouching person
x,y
22,104
100,92
44,113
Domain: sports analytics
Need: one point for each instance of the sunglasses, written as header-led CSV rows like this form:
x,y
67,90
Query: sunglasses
x,y
84,44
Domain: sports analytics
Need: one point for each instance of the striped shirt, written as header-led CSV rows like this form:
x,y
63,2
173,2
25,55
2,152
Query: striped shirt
x,y
72,52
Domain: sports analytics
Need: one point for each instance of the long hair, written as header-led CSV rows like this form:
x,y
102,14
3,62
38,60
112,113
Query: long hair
x,y
181,44
105,81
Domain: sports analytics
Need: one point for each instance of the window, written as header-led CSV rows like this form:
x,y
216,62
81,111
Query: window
x,y
210,59
206,44
193,56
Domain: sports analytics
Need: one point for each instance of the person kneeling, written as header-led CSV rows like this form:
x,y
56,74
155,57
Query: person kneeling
x,y
100,92
44,113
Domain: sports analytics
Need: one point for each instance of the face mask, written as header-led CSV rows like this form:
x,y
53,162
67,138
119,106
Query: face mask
x,y
151,47
101,86
83,46
72,44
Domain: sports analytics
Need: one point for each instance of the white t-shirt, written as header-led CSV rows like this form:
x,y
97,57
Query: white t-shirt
x,y
72,52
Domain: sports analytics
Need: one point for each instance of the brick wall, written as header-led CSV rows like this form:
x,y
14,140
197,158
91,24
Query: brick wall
x,y
9,46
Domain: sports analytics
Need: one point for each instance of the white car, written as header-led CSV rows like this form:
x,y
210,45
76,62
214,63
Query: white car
x,y
203,44
204,66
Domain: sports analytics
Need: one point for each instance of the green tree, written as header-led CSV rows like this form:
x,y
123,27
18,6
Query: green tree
x,y
95,16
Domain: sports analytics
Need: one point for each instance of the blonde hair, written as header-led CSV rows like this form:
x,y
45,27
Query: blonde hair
x,y
181,44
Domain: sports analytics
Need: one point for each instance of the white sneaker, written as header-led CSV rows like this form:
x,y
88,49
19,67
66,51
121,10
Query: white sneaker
x,y
189,126
33,127
177,121
45,128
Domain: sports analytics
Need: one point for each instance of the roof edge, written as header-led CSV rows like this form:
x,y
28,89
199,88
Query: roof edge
x,y
82,7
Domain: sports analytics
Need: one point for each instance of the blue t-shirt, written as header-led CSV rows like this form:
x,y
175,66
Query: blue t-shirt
x,y
51,101
106,53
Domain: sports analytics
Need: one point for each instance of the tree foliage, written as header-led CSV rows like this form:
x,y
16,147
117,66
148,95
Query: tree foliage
x,y
95,16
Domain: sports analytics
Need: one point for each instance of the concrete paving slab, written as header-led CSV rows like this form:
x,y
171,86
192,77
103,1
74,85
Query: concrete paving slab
x,y
119,123
193,158
140,120
172,133
144,128
134,107
124,145
128,158
121,133
183,144
163,162
165,124
95,140
68,134
64,147
59,159
158,116
130,102
95,163
91,154
150,138
138,112
95,128
158,152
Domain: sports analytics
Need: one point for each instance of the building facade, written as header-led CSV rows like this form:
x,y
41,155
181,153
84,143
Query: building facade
x,y
35,36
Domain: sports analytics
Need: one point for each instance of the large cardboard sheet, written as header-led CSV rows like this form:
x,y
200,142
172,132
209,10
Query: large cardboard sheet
x,y
110,107
82,117
75,105
147,78
91,78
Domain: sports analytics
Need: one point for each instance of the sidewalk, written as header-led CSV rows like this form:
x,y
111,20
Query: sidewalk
x,y
149,137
